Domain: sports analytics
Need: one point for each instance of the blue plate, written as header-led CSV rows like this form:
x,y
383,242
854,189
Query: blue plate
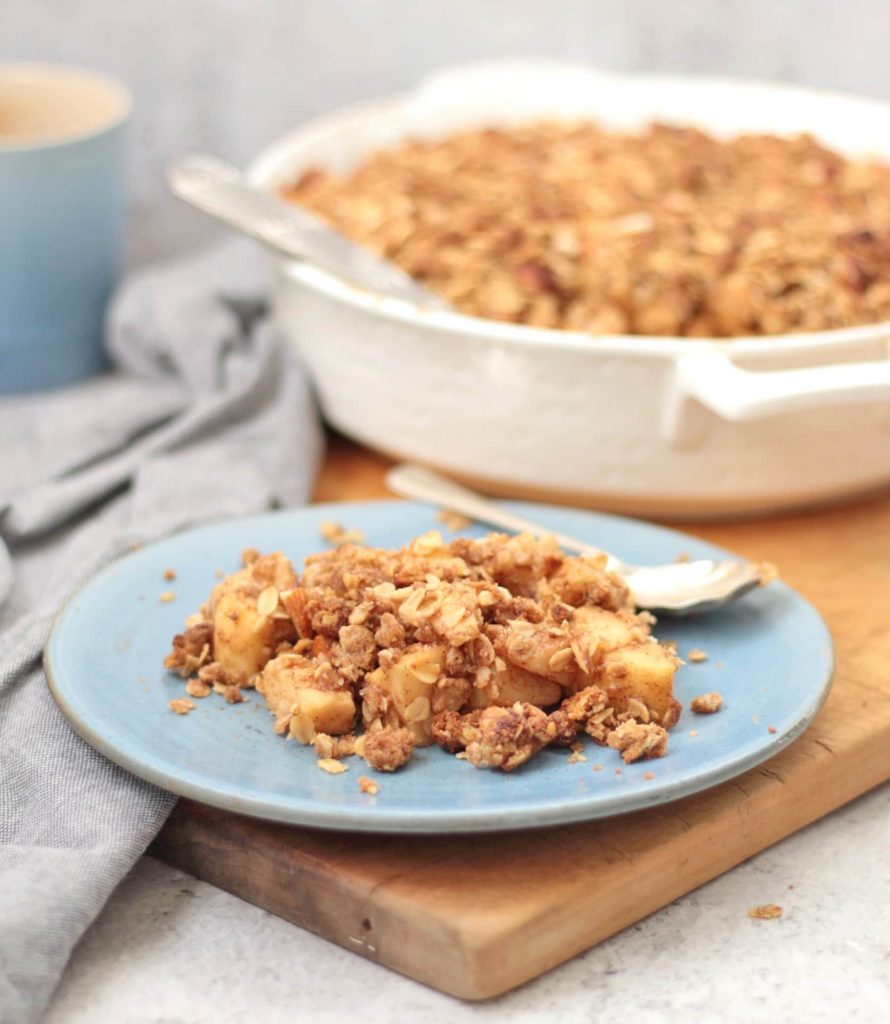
x,y
770,657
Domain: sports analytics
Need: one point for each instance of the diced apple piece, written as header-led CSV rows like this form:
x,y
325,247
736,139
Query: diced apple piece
x,y
608,629
244,636
279,683
239,643
409,683
515,684
645,671
542,650
328,711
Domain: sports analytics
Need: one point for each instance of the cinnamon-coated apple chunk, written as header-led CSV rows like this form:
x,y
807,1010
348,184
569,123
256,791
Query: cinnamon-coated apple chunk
x,y
511,684
409,683
646,672
248,624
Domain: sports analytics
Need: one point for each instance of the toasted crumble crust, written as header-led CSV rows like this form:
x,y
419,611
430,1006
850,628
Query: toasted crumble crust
x,y
491,647
506,738
683,234
386,750
637,742
707,703
565,728
191,649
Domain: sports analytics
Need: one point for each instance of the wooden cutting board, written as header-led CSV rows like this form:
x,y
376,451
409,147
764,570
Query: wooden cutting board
x,y
475,916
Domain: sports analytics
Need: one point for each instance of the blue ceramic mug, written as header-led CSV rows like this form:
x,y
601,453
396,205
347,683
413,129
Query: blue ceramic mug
x,y
62,207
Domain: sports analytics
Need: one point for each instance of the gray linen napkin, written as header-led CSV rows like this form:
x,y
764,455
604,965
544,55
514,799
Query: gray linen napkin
x,y
204,418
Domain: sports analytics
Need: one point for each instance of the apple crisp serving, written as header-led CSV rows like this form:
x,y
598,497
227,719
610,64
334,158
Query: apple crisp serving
x,y
493,648
668,231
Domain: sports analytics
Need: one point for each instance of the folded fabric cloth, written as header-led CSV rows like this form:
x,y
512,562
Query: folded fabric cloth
x,y
204,417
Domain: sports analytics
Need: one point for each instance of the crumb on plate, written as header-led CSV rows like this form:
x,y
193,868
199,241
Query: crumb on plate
x,y
453,521
338,535
368,786
181,706
198,688
707,703
696,656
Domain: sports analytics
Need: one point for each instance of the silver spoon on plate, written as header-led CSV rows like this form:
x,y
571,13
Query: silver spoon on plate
x,y
678,588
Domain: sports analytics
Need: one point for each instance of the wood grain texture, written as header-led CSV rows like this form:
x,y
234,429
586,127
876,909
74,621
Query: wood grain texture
x,y
476,916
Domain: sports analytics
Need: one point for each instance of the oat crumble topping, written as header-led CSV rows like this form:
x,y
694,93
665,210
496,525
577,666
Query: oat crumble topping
x,y
661,231
492,648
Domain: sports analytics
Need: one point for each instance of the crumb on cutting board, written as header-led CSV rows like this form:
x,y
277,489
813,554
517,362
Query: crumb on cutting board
x,y
765,912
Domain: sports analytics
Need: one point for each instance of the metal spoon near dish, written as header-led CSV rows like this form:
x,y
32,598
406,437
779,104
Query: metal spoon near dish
x,y
678,588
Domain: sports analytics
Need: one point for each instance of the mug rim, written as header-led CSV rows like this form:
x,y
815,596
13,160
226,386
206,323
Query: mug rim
x,y
112,86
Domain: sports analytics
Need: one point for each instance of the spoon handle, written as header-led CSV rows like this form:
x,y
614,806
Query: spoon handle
x,y
421,484
220,190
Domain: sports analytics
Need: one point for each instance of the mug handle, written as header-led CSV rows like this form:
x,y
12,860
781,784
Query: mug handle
x,y
738,395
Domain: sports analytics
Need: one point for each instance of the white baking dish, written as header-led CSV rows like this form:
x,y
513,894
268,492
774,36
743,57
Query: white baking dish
x,y
655,426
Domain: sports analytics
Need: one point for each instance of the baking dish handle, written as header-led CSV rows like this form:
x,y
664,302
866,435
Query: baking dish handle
x,y
737,394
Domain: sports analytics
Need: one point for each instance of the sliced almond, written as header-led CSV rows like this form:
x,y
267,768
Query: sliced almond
x,y
426,672
638,710
267,602
418,710
561,660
